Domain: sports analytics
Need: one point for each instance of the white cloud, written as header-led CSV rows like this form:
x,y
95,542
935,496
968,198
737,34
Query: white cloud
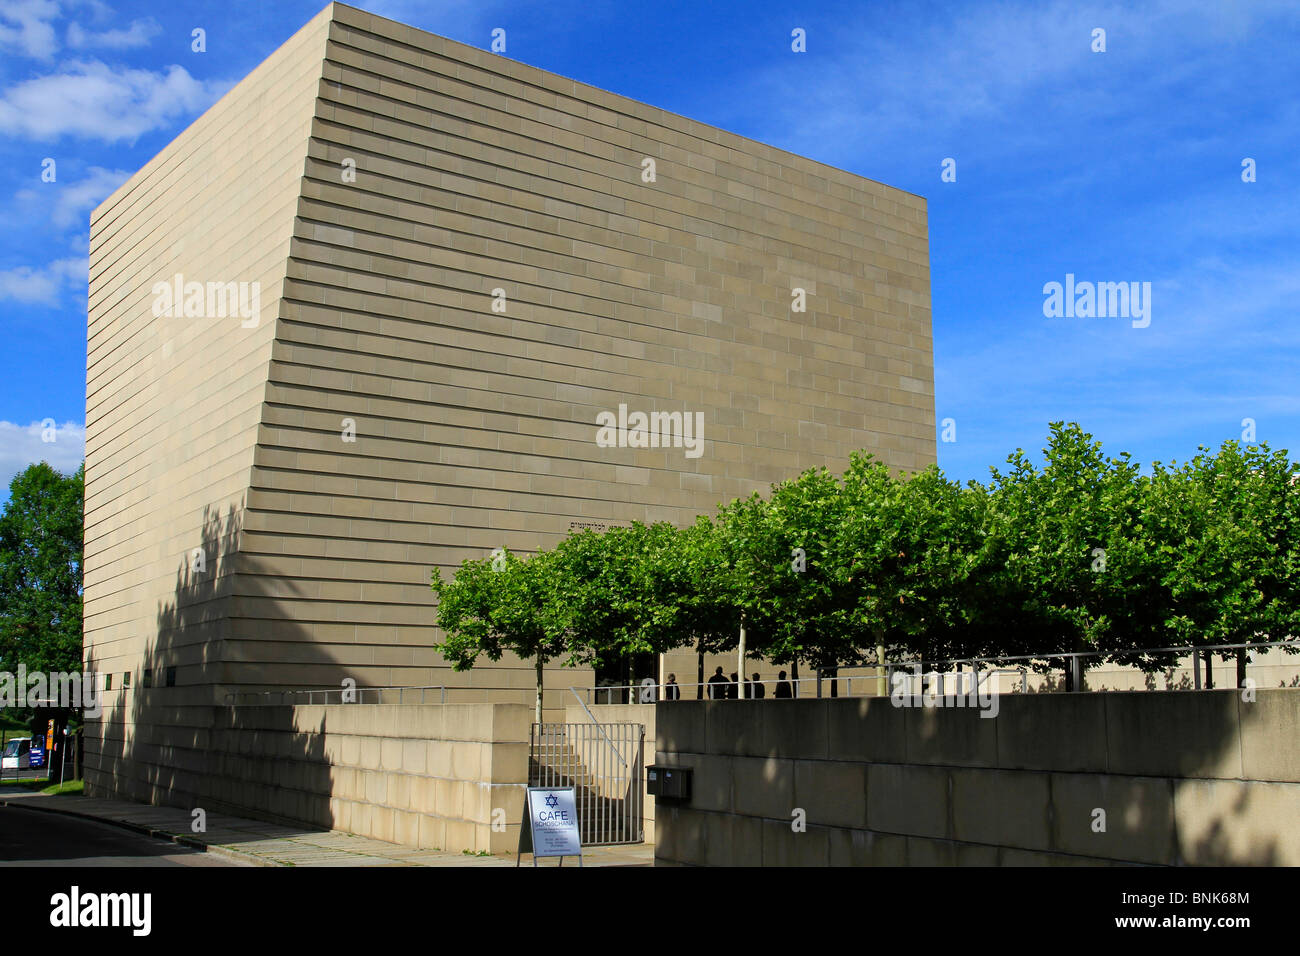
x,y
91,100
43,286
967,75
1217,350
22,445
137,35
75,200
25,26
68,204
99,10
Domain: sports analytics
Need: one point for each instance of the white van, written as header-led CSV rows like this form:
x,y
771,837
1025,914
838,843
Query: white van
x,y
17,755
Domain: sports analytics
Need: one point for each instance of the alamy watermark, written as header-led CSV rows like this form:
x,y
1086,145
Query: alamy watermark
x,y
1102,300
179,299
74,908
930,690
651,430
74,691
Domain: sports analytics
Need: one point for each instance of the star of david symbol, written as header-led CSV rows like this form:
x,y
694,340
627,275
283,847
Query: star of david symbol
x,y
551,801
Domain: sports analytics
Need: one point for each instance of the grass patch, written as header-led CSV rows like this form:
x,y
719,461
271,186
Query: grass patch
x,y
67,788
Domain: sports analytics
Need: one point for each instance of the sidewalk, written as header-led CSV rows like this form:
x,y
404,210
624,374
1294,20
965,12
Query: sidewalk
x,y
254,843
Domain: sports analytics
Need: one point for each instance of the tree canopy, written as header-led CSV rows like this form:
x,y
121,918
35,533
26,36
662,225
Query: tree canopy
x,y
1083,554
40,570
40,573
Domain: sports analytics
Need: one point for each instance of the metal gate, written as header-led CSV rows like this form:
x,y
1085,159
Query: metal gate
x,y
603,763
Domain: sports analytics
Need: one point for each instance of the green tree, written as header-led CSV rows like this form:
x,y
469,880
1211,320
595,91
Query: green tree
x,y
1067,551
1223,530
779,573
626,591
503,603
41,577
806,603
712,606
932,567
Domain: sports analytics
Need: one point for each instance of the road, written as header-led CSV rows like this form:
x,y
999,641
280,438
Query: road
x,y
36,838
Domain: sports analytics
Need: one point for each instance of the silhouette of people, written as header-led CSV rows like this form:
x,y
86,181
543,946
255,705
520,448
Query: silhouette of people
x,y
733,692
783,687
718,686
671,690
756,689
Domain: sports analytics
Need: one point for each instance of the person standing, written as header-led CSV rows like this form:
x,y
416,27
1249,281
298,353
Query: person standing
x,y
733,692
671,690
783,687
756,688
718,686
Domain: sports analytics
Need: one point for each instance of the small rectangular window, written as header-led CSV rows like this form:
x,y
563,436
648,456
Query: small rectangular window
x,y
148,677
108,682
171,677
126,679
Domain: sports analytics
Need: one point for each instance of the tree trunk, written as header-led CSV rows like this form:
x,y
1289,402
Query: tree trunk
x,y
1241,667
537,715
1209,670
794,676
740,669
699,671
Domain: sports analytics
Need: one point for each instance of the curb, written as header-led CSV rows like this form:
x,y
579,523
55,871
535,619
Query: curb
x,y
164,835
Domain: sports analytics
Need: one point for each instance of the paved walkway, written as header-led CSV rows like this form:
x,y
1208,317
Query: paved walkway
x,y
252,842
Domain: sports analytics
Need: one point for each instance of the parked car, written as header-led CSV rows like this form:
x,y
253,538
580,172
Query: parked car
x,y
17,755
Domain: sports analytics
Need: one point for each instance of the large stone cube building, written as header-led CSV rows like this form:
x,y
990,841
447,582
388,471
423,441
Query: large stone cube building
x,y
360,320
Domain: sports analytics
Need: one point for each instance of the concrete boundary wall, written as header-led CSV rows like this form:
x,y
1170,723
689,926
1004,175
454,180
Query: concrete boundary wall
x,y
426,776
1183,778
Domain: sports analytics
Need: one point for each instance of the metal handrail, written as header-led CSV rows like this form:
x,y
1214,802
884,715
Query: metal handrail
x,y
1023,672
592,716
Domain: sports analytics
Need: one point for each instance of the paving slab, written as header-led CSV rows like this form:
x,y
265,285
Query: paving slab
x,y
274,844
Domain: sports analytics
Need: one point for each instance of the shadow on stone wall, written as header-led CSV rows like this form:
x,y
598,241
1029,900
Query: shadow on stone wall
x,y
182,745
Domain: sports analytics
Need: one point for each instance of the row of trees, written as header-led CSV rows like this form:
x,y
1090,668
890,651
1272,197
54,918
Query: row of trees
x,y
1084,554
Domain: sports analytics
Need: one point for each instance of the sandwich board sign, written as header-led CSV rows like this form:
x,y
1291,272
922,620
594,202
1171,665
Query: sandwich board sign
x,y
550,824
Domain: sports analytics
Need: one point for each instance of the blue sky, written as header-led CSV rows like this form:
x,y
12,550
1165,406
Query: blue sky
x,y
1115,166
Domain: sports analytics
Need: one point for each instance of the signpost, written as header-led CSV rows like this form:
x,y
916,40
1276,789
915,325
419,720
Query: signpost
x,y
550,826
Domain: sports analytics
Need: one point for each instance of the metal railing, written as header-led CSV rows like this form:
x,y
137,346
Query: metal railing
x,y
431,694
649,691
342,695
607,786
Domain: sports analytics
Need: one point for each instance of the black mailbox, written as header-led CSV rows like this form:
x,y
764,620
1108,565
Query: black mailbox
x,y
669,783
